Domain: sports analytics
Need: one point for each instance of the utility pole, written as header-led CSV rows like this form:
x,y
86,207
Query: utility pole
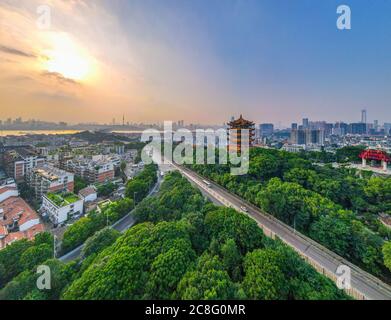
x,y
54,246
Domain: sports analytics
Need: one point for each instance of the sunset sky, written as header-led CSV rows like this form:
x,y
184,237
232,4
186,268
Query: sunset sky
x,y
196,60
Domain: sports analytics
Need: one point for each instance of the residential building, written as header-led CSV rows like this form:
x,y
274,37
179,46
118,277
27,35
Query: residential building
x,y
61,207
308,136
88,194
47,178
8,189
98,169
20,161
17,221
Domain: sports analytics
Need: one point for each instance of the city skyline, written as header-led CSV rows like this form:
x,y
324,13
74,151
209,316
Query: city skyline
x,y
197,61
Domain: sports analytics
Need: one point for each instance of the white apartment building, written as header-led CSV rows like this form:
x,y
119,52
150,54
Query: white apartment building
x,y
60,207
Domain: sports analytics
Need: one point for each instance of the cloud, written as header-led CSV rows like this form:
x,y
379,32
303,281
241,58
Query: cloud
x,y
59,78
16,52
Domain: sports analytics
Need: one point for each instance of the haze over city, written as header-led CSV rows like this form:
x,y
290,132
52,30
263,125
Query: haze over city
x,y
201,61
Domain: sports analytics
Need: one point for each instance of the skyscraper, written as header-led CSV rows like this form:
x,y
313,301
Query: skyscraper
x,y
363,116
266,129
305,123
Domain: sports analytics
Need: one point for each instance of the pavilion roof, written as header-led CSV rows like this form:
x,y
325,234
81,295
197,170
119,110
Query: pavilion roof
x,y
241,122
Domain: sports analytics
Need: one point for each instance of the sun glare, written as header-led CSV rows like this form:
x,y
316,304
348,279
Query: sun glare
x,y
66,59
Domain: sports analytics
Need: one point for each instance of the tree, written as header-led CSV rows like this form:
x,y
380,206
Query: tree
x,y
332,232
168,269
106,189
263,279
36,255
231,258
208,282
24,285
136,189
99,241
387,254
10,258
80,183
223,224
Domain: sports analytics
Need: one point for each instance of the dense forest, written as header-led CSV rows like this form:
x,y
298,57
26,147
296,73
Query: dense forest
x,y
183,247
337,207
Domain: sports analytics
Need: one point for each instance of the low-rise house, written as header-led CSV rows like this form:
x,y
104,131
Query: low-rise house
x,y
8,191
61,207
17,221
88,194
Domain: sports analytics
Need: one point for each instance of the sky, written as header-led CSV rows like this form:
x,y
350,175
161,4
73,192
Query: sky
x,y
201,61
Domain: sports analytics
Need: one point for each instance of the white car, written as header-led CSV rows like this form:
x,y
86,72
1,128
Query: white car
x,y
244,209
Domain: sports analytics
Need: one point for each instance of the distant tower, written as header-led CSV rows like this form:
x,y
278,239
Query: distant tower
x,y
123,120
364,116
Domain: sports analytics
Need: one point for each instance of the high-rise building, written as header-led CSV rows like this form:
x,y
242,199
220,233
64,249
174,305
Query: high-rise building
x,y
358,128
239,129
308,136
266,130
363,116
294,126
306,123
376,125
340,129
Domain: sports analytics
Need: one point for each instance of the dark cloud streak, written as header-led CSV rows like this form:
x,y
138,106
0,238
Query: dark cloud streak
x,y
59,77
16,52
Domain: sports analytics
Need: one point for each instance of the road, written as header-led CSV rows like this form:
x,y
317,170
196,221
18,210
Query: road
x,y
121,225
363,285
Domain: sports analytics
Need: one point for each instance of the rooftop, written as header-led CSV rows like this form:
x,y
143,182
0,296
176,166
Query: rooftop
x,y
51,173
87,191
241,122
62,200
16,209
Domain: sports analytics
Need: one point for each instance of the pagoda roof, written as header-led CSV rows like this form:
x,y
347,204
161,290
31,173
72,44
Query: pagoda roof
x,y
241,122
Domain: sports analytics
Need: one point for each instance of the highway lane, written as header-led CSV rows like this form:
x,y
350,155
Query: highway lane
x,y
125,223
364,285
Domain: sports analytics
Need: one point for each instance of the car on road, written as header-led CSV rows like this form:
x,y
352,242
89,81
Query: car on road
x,y
244,209
208,184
